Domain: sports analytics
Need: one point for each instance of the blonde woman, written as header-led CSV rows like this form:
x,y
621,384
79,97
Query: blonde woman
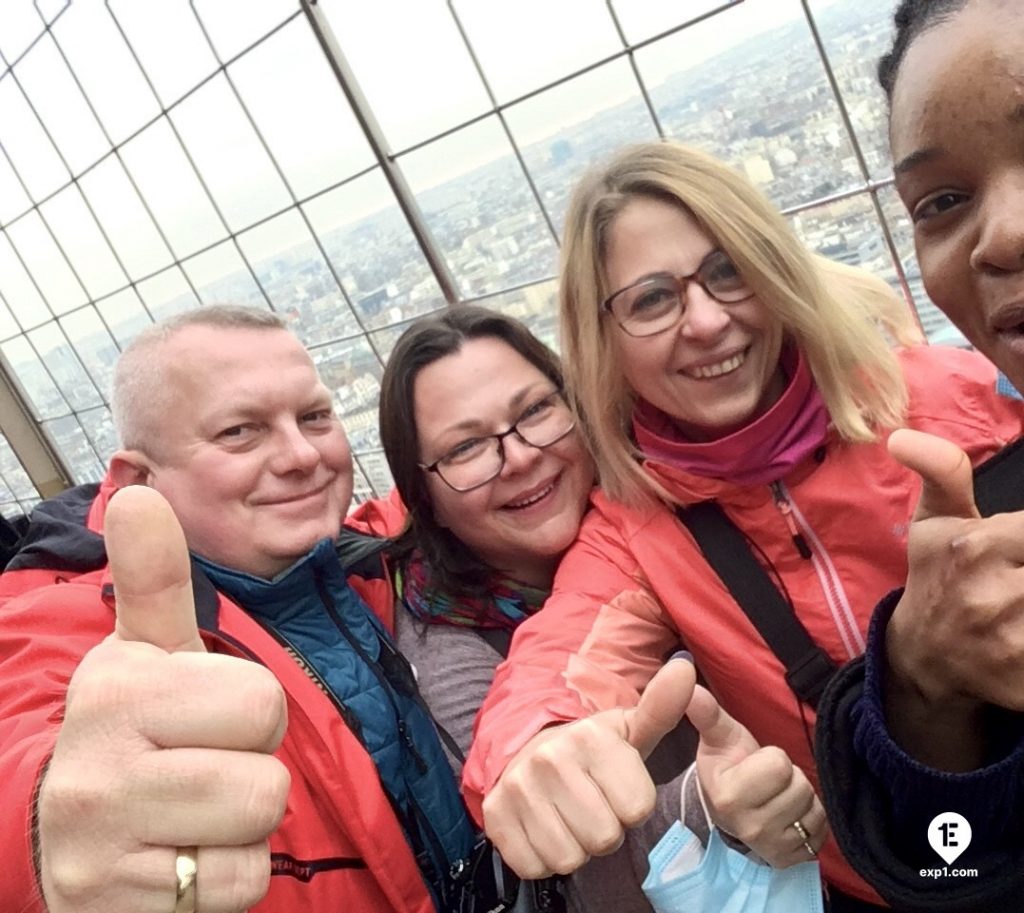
x,y
712,358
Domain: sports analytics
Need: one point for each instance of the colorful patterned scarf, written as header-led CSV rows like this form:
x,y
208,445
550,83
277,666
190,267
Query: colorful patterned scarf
x,y
505,605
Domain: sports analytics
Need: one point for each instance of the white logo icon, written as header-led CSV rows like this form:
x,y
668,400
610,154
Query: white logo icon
x,y
949,835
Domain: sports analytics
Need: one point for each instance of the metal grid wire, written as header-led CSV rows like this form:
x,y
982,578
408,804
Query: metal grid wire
x,y
67,395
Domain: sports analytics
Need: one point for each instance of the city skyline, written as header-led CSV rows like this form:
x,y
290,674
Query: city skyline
x,y
763,104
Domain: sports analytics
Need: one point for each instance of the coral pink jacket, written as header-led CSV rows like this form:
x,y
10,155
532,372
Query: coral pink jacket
x,y
634,585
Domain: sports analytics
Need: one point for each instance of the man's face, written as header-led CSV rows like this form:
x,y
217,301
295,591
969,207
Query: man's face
x,y
250,454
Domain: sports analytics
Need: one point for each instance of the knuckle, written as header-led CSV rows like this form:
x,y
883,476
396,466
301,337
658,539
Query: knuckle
x,y
967,548
514,788
547,757
775,764
752,833
639,808
569,860
604,837
252,877
65,798
265,704
528,869
267,795
504,843
588,733
493,807
98,690
727,804
73,883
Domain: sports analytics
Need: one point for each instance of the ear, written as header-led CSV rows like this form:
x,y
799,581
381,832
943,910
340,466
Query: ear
x,y
130,467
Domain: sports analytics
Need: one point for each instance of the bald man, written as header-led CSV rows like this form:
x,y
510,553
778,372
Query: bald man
x,y
202,706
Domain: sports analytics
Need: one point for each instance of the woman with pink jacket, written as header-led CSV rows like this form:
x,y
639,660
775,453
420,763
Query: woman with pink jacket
x,y
712,358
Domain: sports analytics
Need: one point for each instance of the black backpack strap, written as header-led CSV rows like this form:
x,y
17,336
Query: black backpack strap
x,y
808,667
999,481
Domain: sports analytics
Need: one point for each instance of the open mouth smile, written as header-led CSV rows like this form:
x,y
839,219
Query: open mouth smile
x,y
532,498
726,366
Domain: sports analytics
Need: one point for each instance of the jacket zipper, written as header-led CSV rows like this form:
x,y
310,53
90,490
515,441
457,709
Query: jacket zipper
x,y
382,680
348,861
419,819
811,548
786,509
439,862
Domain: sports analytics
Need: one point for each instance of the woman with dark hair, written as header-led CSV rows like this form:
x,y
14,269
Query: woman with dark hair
x,y
495,478
921,743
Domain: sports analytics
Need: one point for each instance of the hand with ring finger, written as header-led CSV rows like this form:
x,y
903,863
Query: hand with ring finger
x,y
162,790
755,794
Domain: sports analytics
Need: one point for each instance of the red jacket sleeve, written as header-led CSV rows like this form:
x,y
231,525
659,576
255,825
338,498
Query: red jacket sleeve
x,y
379,516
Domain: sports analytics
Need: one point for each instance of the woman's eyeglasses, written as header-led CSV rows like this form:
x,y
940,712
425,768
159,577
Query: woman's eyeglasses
x,y
656,304
476,461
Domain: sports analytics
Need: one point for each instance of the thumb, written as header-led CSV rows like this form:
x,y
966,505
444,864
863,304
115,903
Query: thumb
x,y
720,735
662,705
152,574
945,470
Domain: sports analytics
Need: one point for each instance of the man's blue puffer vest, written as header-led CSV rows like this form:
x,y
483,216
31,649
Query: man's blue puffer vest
x,y
311,608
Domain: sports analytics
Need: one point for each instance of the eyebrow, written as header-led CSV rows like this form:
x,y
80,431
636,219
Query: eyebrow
x,y
516,402
662,273
920,157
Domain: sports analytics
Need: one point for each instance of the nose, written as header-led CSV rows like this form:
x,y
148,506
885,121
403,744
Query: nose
x,y
1000,244
294,452
704,318
519,456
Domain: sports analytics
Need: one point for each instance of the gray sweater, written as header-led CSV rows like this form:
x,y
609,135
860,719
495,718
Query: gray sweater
x,y
454,668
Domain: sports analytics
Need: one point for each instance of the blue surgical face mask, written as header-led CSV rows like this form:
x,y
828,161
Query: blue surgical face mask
x,y
687,877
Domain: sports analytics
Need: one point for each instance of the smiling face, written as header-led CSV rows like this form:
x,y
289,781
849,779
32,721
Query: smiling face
x,y
523,520
252,457
957,133
717,369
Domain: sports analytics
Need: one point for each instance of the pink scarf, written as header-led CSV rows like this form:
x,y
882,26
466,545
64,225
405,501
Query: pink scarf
x,y
760,453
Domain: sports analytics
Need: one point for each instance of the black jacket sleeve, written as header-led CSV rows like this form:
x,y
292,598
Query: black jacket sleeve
x,y
880,801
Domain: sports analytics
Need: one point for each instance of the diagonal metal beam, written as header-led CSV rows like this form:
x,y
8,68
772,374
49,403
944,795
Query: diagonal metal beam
x,y
40,459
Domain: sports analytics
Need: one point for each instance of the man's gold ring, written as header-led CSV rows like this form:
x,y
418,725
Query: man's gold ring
x,y
798,826
185,870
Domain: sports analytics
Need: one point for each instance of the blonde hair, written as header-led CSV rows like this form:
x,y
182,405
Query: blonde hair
x,y
832,312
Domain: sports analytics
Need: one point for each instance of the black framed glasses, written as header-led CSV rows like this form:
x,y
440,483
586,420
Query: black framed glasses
x,y
478,460
656,304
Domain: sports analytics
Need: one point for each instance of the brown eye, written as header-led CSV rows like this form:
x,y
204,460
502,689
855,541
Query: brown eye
x,y
938,205
653,298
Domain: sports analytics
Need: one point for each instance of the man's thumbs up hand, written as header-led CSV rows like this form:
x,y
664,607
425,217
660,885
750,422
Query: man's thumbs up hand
x,y
162,745
152,584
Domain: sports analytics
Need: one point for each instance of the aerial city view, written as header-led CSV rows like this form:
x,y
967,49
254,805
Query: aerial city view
x,y
349,286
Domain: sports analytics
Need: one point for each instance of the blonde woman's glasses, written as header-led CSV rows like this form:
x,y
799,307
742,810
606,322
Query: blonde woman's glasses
x,y
657,303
